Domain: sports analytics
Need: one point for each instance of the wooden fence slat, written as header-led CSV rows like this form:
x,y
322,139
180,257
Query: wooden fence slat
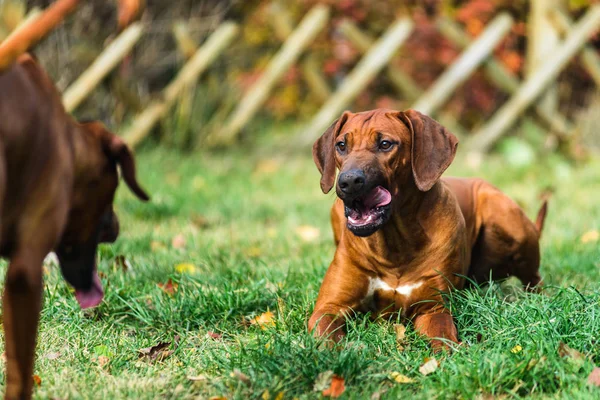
x,y
589,57
541,39
463,67
186,45
367,68
362,41
317,83
501,77
312,23
20,40
403,82
534,85
106,62
201,60
29,17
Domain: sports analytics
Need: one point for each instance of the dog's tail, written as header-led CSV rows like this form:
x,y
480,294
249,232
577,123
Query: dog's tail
x,y
23,38
541,217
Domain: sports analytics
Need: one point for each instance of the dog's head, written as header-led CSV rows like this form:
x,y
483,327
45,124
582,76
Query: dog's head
x,y
91,217
382,156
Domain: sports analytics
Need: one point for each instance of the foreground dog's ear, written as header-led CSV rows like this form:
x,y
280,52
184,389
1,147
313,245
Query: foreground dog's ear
x,y
433,148
324,152
119,150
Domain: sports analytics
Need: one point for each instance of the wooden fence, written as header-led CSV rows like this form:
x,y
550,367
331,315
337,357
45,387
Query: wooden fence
x,y
378,54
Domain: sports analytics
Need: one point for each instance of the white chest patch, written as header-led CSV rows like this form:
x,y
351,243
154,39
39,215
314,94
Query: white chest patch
x,y
378,284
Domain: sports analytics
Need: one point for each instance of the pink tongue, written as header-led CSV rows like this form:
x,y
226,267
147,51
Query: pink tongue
x,y
92,297
377,198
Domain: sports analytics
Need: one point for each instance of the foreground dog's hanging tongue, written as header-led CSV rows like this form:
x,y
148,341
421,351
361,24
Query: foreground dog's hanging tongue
x,y
363,209
92,297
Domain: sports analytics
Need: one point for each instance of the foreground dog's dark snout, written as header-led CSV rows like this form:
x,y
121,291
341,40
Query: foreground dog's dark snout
x,y
352,182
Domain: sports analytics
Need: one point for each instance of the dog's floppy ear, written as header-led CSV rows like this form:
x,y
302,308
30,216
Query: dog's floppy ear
x,y
433,148
119,150
324,152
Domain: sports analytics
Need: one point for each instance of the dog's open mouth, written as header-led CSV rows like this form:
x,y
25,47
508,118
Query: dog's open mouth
x,y
368,213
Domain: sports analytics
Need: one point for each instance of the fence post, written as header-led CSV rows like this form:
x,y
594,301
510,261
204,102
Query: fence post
x,y
541,39
404,84
363,73
464,66
203,57
311,72
533,86
20,40
501,77
106,62
304,34
589,56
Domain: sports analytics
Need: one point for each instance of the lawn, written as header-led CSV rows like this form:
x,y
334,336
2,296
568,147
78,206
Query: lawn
x,y
229,237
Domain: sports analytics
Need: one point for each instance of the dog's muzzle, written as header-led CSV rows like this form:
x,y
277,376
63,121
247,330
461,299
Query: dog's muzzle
x,y
367,213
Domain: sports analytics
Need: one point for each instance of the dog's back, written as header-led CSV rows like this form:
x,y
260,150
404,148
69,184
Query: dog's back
x,y
31,139
503,239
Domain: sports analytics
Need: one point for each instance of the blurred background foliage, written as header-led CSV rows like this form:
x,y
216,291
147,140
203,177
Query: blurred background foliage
x,y
156,59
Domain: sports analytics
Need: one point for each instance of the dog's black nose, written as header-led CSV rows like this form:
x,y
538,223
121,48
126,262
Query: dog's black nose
x,y
351,181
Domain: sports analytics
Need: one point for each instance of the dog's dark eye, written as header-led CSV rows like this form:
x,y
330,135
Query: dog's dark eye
x,y
341,146
385,145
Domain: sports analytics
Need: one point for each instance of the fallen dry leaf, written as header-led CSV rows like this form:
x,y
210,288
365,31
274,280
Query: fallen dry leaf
x,y
400,336
218,398
52,356
159,352
516,349
37,380
169,287
308,233
267,395
398,377
102,360
185,268
157,246
264,320
242,377
323,381
377,395
590,236
198,378
253,252
200,221
566,351
122,263
594,377
429,367
336,389
213,335
266,167
178,241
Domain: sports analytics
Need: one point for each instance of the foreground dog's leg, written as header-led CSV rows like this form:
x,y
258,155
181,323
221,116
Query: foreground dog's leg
x,y
21,308
341,292
437,325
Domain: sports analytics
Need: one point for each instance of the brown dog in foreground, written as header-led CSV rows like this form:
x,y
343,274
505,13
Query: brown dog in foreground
x,y
404,236
57,183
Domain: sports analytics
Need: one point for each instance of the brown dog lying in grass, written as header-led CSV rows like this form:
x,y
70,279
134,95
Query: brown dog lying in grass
x,y
403,235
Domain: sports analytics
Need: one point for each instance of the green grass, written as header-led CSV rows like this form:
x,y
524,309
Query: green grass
x,y
239,217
